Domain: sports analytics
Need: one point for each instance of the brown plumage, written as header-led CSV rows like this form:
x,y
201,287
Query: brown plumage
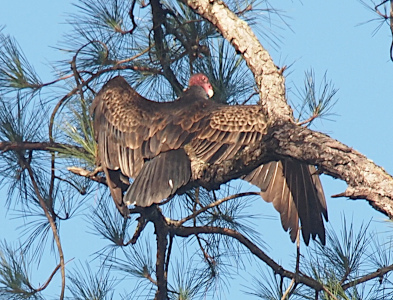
x,y
159,144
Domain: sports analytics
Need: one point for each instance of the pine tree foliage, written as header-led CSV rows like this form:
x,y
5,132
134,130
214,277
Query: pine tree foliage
x,y
48,165
85,284
14,275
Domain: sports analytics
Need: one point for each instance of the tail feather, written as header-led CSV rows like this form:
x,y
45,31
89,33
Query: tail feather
x,y
296,192
160,178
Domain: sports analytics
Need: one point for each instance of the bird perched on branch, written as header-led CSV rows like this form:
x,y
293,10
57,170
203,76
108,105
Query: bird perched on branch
x,y
161,145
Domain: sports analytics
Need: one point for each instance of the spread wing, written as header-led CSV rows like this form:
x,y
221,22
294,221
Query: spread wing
x,y
128,128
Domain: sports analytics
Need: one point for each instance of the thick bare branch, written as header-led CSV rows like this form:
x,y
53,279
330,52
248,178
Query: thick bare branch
x,y
365,179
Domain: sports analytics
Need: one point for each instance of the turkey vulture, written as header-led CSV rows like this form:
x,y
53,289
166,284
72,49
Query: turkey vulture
x,y
160,144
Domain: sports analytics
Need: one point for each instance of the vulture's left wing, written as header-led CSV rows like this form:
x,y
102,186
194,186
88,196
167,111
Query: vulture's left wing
x,y
132,131
129,130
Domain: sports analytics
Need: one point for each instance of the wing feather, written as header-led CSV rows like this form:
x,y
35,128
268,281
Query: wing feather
x,y
226,130
130,129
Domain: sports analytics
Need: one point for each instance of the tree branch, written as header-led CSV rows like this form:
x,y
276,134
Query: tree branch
x,y
52,223
187,231
378,273
154,214
91,175
365,179
42,146
162,51
287,140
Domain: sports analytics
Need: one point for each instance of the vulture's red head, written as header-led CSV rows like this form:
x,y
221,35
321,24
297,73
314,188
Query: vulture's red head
x,y
202,80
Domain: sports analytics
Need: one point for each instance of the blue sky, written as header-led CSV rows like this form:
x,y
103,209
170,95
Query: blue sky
x,y
325,36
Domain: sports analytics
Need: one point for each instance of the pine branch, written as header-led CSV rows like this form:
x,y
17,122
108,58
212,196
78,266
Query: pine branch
x,y
375,184
45,285
86,284
387,17
39,146
162,51
52,225
377,274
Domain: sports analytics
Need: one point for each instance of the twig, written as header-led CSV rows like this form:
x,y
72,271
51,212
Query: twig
x,y
249,98
378,11
134,57
168,254
43,146
81,191
139,228
386,17
148,276
326,290
131,15
57,80
45,285
218,202
85,173
289,289
309,120
292,285
208,258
